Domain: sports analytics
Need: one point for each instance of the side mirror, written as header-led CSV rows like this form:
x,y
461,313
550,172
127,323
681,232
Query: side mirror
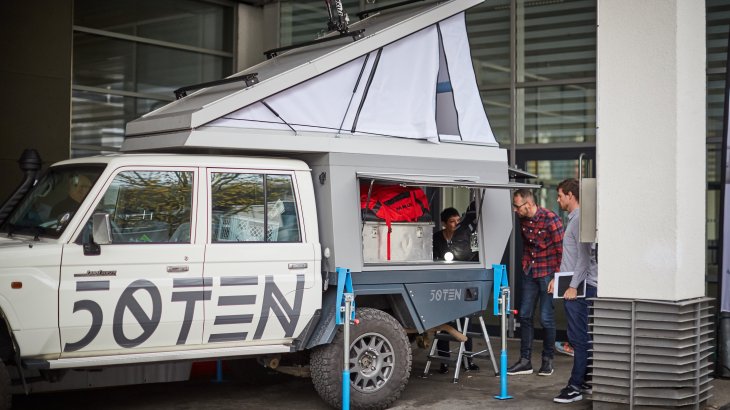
x,y
101,229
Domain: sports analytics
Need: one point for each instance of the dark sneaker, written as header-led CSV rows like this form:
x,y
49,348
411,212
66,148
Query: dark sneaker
x,y
586,388
444,368
547,368
472,366
568,395
522,367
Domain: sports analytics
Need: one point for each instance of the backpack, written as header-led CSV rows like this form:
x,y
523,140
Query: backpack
x,y
393,203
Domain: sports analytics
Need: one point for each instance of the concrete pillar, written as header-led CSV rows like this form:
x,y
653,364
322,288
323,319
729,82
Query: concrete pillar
x,y
651,149
249,44
258,31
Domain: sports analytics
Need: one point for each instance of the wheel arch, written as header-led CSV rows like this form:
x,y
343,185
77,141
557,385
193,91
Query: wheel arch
x,y
7,344
392,299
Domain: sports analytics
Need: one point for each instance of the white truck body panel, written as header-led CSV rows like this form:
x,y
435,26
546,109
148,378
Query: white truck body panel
x,y
31,311
136,297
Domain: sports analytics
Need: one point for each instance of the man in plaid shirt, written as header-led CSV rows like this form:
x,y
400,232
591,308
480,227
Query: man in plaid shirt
x,y
542,250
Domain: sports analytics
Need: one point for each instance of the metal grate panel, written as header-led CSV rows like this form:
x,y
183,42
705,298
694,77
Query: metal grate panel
x,y
653,354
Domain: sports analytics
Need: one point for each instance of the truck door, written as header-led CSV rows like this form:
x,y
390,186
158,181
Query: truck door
x,y
261,265
145,289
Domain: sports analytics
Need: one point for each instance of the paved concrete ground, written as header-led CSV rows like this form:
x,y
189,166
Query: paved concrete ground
x,y
475,391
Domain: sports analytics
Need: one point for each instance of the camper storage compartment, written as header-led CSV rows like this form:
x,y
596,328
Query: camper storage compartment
x,y
409,242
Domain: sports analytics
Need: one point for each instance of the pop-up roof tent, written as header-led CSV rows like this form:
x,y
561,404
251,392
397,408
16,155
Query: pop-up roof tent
x,y
410,76
399,105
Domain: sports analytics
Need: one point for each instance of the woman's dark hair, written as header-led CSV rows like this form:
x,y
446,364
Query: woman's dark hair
x,y
448,213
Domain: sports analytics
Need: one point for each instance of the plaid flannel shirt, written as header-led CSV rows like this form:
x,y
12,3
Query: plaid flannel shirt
x,y
542,243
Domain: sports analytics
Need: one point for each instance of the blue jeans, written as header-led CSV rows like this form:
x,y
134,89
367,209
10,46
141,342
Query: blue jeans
x,y
576,311
534,289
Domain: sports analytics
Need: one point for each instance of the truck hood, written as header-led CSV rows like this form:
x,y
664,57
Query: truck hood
x,y
26,252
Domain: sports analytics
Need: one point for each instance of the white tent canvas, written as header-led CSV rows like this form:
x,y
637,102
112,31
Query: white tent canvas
x,y
422,86
408,76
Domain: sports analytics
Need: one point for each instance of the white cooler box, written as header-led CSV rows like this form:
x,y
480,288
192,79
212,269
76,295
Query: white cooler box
x,y
409,242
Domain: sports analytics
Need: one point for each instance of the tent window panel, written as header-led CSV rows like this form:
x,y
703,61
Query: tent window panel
x,y
447,120
473,122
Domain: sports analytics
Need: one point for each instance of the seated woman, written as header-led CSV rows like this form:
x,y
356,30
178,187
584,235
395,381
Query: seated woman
x,y
448,240
452,242
443,239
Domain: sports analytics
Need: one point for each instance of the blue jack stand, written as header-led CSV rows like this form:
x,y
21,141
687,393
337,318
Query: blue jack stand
x,y
218,371
502,308
344,315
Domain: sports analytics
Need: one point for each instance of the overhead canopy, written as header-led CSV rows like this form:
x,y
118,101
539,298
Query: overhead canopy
x,y
441,181
520,173
411,76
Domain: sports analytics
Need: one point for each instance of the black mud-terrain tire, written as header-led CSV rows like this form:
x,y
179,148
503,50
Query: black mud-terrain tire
x,y
6,398
378,340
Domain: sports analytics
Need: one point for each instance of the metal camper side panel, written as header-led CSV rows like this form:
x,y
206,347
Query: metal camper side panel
x,y
338,201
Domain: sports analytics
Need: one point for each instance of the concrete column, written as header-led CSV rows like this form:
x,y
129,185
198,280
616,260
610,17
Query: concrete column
x,y
258,31
651,149
249,39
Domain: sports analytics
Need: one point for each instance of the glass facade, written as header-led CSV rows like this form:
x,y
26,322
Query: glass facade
x,y
543,54
129,55
718,16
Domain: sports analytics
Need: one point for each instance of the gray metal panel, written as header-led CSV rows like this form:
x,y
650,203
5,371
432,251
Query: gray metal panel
x,y
294,67
211,139
392,289
338,199
588,210
438,303
469,274
468,181
324,330
432,297
664,360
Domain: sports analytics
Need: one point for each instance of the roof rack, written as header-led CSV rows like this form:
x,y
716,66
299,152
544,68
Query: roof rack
x,y
250,80
356,35
519,173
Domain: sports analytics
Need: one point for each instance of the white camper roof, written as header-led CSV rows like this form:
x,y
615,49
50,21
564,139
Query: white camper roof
x,y
410,77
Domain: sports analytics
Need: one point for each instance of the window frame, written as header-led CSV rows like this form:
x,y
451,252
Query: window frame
x,y
264,173
108,180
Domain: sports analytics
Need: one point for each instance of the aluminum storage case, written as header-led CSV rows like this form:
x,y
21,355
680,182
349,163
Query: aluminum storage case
x,y
409,242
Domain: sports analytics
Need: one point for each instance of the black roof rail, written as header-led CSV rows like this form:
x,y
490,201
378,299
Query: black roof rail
x,y
515,172
356,35
250,79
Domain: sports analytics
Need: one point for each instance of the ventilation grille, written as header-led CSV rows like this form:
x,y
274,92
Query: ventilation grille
x,y
652,353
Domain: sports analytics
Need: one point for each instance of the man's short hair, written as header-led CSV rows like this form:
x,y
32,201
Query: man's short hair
x,y
525,193
448,213
570,185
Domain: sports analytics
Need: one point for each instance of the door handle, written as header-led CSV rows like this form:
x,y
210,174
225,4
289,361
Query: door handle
x,y
177,269
298,265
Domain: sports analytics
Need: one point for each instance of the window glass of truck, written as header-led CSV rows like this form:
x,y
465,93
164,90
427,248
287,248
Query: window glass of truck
x,y
149,206
253,208
49,206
